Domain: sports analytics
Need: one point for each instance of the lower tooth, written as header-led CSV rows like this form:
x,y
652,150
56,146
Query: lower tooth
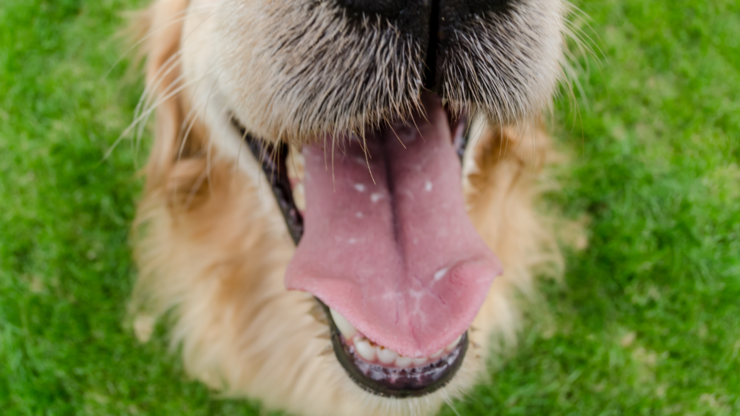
x,y
403,362
387,356
437,354
342,324
454,343
418,362
365,350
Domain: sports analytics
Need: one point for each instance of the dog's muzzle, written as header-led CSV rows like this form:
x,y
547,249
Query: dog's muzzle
x,y
432,22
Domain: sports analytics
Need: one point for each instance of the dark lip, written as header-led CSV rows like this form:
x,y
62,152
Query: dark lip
x,y
272,158
418,381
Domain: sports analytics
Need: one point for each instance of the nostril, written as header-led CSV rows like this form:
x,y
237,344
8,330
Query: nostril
x,y
387,8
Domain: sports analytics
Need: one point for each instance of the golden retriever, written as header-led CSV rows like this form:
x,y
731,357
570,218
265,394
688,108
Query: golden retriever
x,y
340,200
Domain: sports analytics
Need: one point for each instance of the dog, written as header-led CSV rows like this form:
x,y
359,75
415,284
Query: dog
x,y
340,208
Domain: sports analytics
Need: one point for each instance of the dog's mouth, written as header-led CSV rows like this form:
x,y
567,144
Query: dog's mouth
x,y
385,243
385,372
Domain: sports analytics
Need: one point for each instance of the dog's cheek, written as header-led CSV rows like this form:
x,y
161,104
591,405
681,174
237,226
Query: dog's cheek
x,y
187,185
245,81
513,63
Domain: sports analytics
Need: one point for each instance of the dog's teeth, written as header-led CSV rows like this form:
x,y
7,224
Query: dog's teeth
x,y
370,352
365,350
299,197
403,362
343,325
386,356
418,362
453,344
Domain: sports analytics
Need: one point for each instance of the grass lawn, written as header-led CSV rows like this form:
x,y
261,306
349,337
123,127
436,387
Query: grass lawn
x,y
647,321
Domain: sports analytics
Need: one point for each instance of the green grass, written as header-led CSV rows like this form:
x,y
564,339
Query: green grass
x,y
647,323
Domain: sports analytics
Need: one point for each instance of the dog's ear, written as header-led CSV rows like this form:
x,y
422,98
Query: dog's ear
x,y
175,162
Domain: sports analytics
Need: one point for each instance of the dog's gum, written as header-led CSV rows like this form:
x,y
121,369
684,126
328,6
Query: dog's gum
x,y
403,372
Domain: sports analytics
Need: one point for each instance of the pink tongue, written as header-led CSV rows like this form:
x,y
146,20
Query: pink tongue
x,y
398,258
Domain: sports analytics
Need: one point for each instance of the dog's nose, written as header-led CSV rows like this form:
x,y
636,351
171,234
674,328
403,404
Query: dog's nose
x,y
482,6
393,7
431,22
387,8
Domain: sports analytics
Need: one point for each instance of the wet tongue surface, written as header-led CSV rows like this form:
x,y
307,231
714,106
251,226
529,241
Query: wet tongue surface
x,y
398,258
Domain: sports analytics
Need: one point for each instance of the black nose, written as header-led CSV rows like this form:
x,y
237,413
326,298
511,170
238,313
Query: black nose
x,y
431,22
392,8
387,8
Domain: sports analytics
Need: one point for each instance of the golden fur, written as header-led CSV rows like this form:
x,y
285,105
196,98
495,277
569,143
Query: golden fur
x,y
212,248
